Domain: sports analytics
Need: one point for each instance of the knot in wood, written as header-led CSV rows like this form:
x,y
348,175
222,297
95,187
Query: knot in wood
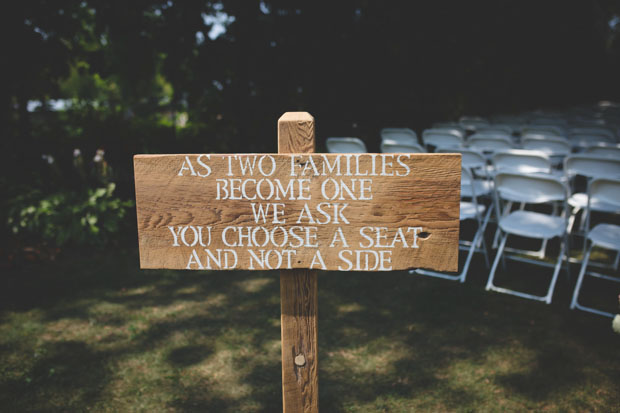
x,y
300,360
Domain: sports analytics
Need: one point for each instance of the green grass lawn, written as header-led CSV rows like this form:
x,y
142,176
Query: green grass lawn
x,y
92,332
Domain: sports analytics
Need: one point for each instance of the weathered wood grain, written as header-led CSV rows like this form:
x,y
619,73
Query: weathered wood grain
x,y
428,197
299,297
299,325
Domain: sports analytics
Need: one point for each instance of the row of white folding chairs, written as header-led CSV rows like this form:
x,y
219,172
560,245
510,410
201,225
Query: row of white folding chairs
x,y
556,146
607,133
590,166
454,135
524,161
510,188
527,223
487,140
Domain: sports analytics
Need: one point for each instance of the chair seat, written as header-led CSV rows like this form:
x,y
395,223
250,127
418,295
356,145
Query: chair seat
x,y
468,210
559,175
580,200
482,187
606,236
533,225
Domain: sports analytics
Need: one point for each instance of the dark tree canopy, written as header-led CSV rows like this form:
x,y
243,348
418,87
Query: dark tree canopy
x,y
145,76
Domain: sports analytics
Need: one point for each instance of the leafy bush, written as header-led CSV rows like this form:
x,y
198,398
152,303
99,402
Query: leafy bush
x,y
88,217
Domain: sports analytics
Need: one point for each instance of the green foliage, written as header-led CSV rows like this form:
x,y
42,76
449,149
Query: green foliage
x,y
90,217
152,76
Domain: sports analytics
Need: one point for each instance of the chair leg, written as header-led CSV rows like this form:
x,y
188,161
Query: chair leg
x,y
556,271
485,252
574,303
567,254
572,218
582,222
542,251
498,256
497,231
470,253
482,243
582,273
503,257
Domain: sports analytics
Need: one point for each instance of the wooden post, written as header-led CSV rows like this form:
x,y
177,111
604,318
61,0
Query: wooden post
x,y
402,211
298,296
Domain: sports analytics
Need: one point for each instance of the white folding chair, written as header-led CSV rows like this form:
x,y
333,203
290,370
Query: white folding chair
x,y
447,128
526,162
609,151
489,144
469,210
535,190
392,146
439,138
345,145
557,147
604,235
590,167
403,135
523,161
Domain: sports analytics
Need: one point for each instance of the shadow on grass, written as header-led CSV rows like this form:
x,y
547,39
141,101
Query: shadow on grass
x,y
51,386
188,355
112,339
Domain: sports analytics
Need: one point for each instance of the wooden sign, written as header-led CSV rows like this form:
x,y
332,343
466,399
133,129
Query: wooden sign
x,y
298,212
338,212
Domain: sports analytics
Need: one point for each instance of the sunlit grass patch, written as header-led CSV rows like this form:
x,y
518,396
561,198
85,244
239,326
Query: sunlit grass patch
x,y
119,339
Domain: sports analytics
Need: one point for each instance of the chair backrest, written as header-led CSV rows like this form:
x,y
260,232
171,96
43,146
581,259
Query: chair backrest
x,y
522,161
594,131
540,134
440,139
468,187
582,139
489,143
542,129
473,122
609,151
469,158
548,145
450,130
604,190
531,189
592,166
392,146
404,135
495,129
345,145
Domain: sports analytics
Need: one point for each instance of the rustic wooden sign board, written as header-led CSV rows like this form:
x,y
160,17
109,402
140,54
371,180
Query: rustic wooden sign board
x,y
298,210
338,212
